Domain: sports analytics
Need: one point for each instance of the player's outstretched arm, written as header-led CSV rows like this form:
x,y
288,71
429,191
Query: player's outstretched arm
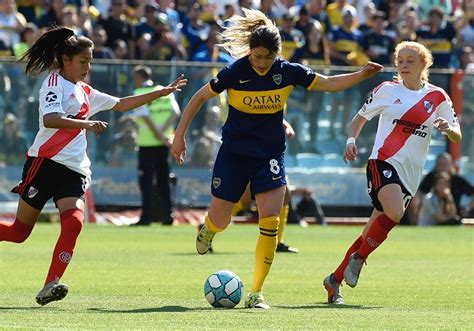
x,y
178,147
135,101
344,81
351,152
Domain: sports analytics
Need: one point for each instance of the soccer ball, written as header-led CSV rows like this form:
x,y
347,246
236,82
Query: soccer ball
x,y
223,289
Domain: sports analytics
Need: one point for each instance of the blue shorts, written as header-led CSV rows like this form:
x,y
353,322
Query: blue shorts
x,y
232,172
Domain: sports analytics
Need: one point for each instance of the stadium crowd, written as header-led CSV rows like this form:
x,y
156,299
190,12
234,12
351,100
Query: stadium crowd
x,y
340,32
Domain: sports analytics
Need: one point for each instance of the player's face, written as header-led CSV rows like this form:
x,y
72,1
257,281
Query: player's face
x,y
409,65
77,68
261,58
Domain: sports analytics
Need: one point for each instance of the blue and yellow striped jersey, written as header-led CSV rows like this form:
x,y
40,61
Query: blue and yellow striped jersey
x,y
256,101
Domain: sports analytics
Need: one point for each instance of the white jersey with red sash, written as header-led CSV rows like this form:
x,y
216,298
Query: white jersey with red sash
x,y
80,101
406,125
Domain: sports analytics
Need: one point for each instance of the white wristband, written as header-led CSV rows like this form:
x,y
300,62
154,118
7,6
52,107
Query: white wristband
x,y
350,140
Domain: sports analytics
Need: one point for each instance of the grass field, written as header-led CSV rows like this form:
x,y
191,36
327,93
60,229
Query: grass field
x,y
151,278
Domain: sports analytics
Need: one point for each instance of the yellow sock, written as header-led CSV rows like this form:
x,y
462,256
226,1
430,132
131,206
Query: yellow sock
x,y
265,251
283,220
238,207
211,225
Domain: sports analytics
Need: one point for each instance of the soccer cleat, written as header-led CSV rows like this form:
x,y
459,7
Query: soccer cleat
x,y
352,271
256,300
283,248
334,290
204,240
53,291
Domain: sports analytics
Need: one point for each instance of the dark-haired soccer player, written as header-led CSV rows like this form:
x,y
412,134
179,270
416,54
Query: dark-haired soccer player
x,y
253,140
57,164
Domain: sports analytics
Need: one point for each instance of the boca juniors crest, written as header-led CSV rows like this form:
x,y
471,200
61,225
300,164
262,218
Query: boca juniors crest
x,y
277,79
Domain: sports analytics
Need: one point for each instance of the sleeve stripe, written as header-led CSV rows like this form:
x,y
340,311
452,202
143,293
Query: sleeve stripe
x,y
315,80
210,89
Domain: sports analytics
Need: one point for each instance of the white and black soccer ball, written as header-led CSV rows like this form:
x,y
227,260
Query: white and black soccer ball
x,y
223,289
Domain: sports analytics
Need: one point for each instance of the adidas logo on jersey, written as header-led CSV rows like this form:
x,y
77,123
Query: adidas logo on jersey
x,y
397,102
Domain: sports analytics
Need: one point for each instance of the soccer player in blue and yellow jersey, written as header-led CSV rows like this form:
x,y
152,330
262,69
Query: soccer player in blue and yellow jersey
x,y
253,138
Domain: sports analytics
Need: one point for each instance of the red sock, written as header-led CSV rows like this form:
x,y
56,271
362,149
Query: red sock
x,y
16,232
377,233
339,273
71,225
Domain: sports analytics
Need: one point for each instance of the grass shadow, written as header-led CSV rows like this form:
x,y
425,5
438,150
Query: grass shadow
x,y
325,305
211,254
165,309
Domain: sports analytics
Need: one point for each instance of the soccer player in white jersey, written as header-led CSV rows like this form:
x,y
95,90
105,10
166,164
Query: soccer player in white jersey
x,y
410,109
57,165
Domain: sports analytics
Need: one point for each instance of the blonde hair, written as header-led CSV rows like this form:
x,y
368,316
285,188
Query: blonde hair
x,y
424,53
250,31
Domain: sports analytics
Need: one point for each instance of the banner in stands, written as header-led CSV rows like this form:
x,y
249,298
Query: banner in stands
x,y
119,186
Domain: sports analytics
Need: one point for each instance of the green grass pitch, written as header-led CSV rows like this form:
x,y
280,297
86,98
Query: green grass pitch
x,y
152,279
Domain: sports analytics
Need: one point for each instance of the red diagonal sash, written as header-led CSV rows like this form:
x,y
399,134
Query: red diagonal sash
x,y
416,114
62,137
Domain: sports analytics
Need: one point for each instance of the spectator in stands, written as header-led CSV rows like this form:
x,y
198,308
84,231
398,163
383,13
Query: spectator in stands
x,y
315,51
438,36
336,14
377,44
459,187
57,164
11,24
438,205
14,146
411,25
317,11
99,37
173,17
291,38
369,13
148,22
466,26
345,45
425,7
395,166
394,16
195,30
52,16
162,45
27,37
119,28
213,53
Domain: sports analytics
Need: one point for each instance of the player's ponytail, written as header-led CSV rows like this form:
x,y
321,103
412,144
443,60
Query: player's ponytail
x,y
48,50
250,31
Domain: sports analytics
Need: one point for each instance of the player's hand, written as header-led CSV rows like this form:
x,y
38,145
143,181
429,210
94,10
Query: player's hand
x,y
290,132
98,127
442,125
350,153
371,68
175,86
178,149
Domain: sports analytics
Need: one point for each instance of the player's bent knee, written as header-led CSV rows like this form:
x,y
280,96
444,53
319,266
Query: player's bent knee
x,y
394,214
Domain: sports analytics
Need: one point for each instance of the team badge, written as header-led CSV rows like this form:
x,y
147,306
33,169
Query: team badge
x,y
32,192
51,97
369,188
428,106
216,182
387,173
277,79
